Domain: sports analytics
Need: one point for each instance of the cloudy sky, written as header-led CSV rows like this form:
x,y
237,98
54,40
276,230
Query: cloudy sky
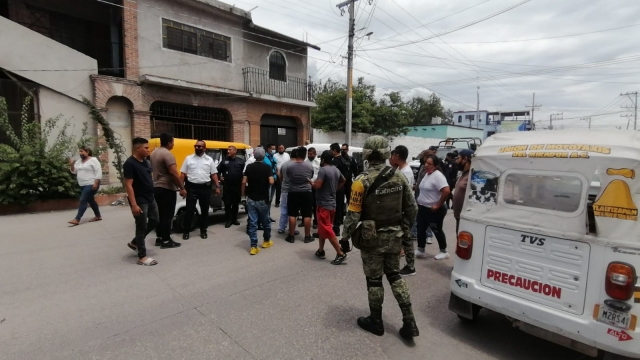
x,y
487,41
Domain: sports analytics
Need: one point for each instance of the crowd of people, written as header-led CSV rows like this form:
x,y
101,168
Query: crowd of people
x,y
316,188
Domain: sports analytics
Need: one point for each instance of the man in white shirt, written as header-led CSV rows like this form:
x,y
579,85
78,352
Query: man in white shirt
x,y
312,157
197,173
281,157
398,159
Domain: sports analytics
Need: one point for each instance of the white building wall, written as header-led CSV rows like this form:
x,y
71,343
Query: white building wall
x,y
415,144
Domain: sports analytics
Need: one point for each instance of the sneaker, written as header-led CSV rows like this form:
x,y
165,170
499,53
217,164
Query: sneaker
x,y
301,225
420,253
158,242
339,259
267,244
442,256
185,236
270,219
280,231
290,239
373,326
308,239
227,225
235,222
203,235
254,250
170,245
316,235
320,254
407,271
430,240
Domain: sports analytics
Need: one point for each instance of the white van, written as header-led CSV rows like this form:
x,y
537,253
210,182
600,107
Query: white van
x,y
549,237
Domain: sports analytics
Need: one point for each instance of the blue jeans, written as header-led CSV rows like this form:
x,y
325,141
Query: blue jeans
x,y
284,212
87,197
258,211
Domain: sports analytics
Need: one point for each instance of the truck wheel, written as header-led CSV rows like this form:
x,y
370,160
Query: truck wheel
x,y
179,225
475,310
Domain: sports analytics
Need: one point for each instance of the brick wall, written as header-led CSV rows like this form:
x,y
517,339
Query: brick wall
x,y
130,32
141,124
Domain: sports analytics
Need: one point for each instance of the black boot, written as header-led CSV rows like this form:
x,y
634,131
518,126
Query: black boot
x,y
409,328
373,322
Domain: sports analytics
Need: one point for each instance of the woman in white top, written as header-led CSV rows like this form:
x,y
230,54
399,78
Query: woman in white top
x,y
89,173
434,191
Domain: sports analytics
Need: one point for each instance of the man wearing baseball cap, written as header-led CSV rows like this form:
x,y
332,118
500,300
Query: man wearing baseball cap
x,y
463,162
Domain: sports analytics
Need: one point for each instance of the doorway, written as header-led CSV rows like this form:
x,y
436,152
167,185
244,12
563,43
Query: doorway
x,y
277,129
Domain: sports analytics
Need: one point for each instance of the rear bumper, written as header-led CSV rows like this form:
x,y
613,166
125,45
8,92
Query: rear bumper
x,y
581,328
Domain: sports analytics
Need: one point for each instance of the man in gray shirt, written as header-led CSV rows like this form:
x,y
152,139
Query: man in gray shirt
x,y
330,179
299,174
284,196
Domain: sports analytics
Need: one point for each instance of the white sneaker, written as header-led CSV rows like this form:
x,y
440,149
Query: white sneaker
x,y
420,254
442,256
429,240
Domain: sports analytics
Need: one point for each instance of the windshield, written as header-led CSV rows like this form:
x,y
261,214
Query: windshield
x,y
548,192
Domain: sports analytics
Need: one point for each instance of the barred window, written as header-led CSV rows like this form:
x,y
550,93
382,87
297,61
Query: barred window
x,y
277,66
185,38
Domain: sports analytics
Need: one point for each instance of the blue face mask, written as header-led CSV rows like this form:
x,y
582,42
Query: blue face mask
x,y
83,157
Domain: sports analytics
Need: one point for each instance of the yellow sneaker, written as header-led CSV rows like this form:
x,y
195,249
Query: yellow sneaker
x,y
267,244
254,250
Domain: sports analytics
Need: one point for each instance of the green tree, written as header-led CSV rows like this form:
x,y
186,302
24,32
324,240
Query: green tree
x,y
448,117
368,114
424,110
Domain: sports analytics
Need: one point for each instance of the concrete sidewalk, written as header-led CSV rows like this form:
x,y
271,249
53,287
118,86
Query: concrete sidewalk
x,y
76,293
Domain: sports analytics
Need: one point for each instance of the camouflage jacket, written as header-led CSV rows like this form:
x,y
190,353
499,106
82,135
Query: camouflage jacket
x,y
358,196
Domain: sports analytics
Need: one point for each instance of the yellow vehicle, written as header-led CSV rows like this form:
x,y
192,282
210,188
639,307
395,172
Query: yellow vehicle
x,y
217,150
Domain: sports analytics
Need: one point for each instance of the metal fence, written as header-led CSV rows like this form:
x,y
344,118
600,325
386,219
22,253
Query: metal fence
x,y
258,81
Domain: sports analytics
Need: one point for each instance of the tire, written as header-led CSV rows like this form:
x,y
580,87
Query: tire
x,y
179,223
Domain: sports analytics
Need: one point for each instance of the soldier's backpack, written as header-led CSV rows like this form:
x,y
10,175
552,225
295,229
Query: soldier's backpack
x,y
383,176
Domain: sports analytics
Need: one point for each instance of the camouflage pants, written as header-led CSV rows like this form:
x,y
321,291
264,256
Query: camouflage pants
x,y
375,265
409,251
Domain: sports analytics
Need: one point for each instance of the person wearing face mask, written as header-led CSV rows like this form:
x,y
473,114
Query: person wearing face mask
x,y
463,162
313,158
197,173
270,160
434,191
281,157
89,174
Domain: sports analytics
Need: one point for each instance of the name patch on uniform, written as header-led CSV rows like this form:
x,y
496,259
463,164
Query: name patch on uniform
x,y
389,191
357,194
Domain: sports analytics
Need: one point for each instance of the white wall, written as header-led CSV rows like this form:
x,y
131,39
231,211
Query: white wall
x,y
51,104
26,50
415,144
119,118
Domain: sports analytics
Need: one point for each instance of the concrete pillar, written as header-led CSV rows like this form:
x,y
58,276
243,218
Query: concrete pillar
x,y
130,34
141,124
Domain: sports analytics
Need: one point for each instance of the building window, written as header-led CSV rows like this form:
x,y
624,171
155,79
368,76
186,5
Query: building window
x,y
459,118
185,38
277,66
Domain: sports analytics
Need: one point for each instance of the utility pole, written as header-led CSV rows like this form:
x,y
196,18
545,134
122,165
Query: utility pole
x,y
587,118
478,109
352,33
533,107
635,107
551,120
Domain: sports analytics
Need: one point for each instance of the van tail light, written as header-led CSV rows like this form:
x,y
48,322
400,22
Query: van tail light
x,y
464,247
620,281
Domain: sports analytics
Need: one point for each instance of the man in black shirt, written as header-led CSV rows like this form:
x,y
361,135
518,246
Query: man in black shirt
x,y
260,176
139,186
230,169
345,169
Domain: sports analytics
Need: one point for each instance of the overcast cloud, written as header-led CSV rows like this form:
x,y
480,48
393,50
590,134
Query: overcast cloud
x,y
416,70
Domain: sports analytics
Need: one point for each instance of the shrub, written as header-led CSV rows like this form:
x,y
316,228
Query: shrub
x,y
32,168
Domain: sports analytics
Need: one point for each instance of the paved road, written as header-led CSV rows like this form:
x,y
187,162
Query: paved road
x,y
76,293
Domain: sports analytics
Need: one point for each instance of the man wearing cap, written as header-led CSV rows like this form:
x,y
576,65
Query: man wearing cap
x,y
260,176
463,162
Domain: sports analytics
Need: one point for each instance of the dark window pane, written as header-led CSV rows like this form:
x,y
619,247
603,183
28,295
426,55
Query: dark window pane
x,y
220,50
206,46
277,66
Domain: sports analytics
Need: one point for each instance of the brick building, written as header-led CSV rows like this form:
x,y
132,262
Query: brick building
x,y
196,68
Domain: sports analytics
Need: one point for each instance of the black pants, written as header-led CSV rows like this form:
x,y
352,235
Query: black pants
x,y
166,200
434,220
231,198
337,221
202,195
314,206
145,223
278,186
347,192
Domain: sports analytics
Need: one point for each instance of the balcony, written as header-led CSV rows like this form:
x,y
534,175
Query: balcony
x,y
257,81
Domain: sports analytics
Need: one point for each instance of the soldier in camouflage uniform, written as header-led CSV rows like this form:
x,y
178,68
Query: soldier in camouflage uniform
x,y
387,214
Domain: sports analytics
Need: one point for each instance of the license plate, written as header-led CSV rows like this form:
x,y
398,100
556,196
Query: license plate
x,y
614,317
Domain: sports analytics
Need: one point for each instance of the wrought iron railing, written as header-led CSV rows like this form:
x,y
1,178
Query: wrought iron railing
x,y
258,81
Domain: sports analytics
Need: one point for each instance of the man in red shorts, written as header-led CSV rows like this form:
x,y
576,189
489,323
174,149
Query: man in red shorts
x,y
328,182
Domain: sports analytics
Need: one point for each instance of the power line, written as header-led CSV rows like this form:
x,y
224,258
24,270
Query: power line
x,y
457,28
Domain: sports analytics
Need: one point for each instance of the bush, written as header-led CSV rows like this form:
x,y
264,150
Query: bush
x,y
31,169
112,190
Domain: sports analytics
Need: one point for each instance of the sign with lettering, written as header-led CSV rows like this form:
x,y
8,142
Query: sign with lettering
x,y
559,151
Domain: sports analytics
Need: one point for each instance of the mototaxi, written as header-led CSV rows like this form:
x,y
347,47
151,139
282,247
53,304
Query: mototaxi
x,y
549,237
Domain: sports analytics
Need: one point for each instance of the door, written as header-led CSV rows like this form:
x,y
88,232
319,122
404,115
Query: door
x,y
276,129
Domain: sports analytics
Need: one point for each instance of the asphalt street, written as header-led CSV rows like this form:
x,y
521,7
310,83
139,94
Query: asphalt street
x,y
76,293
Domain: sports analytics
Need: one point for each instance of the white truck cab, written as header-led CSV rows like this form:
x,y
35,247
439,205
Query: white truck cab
x,y
549,237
